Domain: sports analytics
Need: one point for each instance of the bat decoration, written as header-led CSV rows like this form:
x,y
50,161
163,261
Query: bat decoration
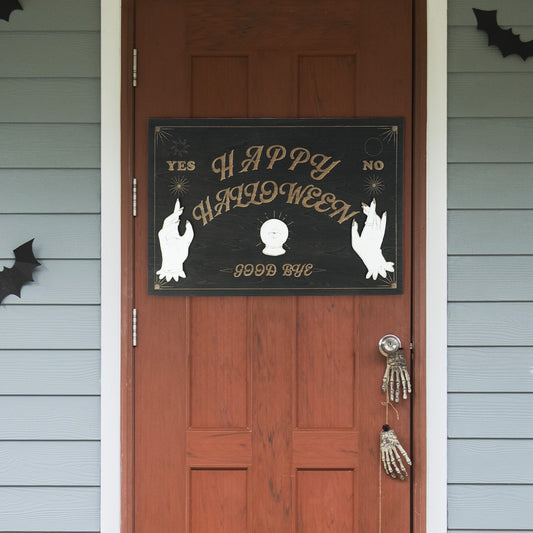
x,y
12,279
7,7
507,41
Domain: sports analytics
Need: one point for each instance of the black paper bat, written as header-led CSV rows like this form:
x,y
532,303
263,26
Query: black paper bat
x,y
507,41
7,7
12,279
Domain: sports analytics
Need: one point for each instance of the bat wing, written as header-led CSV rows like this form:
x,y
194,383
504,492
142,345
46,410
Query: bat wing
x,y
12,279
7,7
507,41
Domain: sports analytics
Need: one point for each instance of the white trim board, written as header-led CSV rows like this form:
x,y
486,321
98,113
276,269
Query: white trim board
x,y
436,267
110,269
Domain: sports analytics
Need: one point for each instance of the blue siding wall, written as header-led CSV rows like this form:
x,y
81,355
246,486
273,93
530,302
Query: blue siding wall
x,y
49,339
490,285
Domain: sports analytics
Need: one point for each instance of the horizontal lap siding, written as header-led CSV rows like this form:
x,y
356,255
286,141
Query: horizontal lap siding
x,y
50,55
49,418
50,100
490,274
57,236
30,463
50,372
493,140
509,185
49,327
480,369
490,415
60,282
490,232
490,506
67,509
480,461
55,16
509,278
50,146
50,337
491,94
490,324
75,190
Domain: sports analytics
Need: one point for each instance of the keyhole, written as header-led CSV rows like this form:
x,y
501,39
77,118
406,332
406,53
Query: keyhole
x,y
389,344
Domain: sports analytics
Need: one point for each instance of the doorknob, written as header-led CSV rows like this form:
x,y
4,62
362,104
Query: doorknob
x,y
389,344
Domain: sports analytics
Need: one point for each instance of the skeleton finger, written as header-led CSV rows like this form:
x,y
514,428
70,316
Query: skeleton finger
x,y
399,459
385,378
384,461
391,384
408,380
390,471
404,384
395,384
392,451
398,384
404,453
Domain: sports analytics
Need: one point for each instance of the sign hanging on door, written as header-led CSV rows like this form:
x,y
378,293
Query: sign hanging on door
x,y
275,206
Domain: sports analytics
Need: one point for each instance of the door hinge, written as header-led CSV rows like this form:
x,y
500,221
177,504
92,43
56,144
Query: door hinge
x,y
412,348
134,68
134,327
134,197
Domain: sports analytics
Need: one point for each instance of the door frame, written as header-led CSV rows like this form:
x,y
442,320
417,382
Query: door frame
x,y
429,267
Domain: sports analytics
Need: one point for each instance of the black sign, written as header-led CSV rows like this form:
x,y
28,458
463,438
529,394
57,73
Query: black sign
x,y
275,206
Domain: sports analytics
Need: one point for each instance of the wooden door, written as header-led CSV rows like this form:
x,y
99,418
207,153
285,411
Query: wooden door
x,y
263,414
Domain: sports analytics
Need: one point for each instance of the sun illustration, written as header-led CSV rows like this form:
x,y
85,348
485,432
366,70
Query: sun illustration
x,y
389,133
374,185
162,135
180,147
390,281
179,185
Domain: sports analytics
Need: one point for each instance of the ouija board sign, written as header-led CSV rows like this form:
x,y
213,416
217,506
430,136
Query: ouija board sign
x,y
275,206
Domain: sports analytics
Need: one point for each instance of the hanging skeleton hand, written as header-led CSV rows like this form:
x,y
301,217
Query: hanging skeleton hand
x,y
396,375
391,452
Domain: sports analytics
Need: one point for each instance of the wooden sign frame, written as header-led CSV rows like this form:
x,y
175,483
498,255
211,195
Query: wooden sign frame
x,y
275,206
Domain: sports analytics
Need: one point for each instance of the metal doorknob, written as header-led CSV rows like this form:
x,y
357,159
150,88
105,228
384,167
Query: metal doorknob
x,y
389,344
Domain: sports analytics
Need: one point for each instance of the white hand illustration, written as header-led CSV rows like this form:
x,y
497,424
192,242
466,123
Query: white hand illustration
x,y
368,245
174,247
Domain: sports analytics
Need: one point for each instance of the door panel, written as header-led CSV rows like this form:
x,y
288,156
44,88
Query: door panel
x,y
262,414
219,383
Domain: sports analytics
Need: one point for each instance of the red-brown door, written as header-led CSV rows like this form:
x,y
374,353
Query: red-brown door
x,y
263,414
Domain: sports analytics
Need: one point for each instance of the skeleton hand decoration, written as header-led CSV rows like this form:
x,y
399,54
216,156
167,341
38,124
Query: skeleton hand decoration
x,y
368,245
174,247
390,453
396,374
